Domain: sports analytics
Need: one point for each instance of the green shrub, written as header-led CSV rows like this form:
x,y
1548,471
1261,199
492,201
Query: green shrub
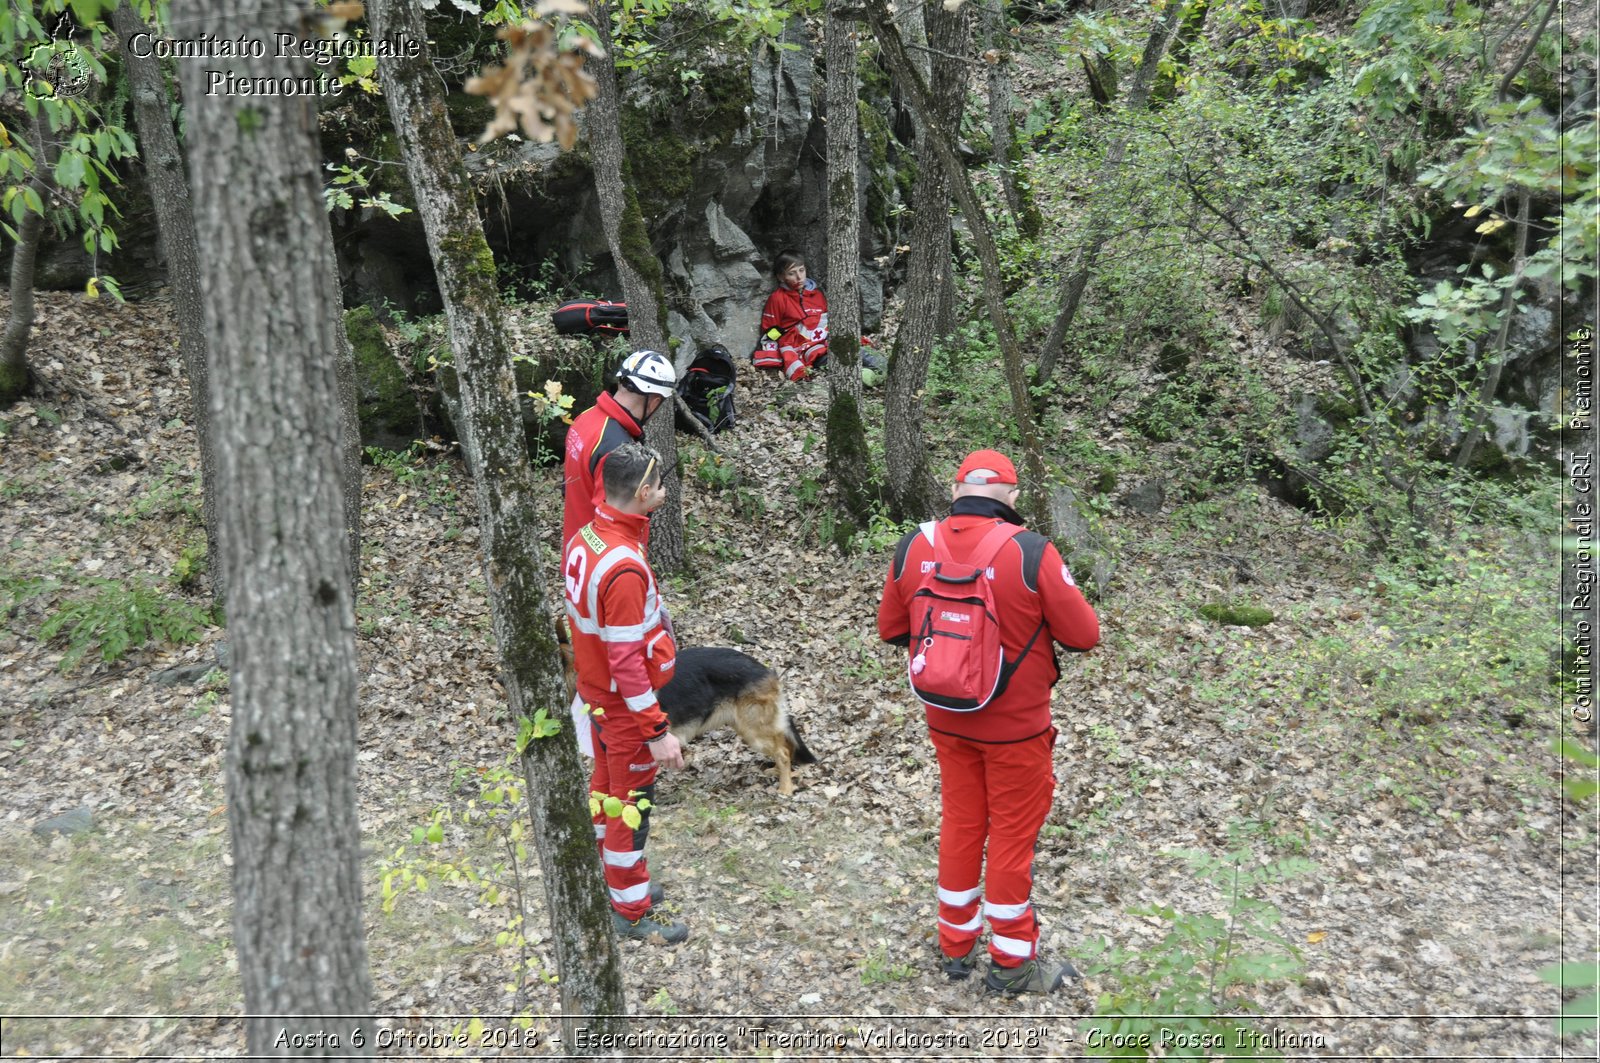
x,y
113,619
1180,998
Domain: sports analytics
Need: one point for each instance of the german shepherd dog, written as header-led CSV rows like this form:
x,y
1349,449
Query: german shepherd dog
x,y
713,686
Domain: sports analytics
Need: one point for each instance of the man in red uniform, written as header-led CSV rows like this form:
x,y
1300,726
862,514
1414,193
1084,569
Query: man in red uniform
x,y
623,652
996,778
645,381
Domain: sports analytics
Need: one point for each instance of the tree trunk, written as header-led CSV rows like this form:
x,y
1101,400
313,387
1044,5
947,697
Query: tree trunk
x,y
942,140
1002,130
1190,27
1099,219
642,285
14,373
169,187
514,560
914,491
272,320
849,463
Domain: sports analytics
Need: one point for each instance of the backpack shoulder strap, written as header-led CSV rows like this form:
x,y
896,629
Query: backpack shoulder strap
x,y
992,542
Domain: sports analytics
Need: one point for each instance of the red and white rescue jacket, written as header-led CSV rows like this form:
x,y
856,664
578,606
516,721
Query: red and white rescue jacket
x,y
794,330
1032,587
594,433
621,635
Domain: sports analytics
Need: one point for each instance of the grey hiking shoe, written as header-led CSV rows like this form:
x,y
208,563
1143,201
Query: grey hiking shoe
x,y
657,893
959,968
647,927
1035,976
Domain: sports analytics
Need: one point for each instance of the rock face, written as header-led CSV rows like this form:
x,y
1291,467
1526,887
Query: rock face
x,y
729,169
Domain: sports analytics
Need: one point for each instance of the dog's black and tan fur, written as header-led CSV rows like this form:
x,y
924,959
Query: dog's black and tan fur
x,y
714,686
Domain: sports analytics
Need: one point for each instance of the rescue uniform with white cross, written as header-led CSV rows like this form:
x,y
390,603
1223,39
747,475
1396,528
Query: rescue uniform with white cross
x,y
623,652
794,330
996,777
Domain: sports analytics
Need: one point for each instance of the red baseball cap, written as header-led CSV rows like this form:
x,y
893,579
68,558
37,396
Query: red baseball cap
x,y
986,467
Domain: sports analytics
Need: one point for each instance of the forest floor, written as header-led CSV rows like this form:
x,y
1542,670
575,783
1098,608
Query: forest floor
x,y
1406,849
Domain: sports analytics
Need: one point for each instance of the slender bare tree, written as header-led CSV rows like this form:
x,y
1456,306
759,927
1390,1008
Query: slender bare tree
x,y
514,563
15,376
1075,281
942,140
913,490
849,463
169,195
641,273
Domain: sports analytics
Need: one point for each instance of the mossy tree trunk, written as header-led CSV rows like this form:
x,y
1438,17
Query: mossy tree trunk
x,y
1099,230
514,560
942,140
272,321
642,285
849,463
913,490
163,164
14,374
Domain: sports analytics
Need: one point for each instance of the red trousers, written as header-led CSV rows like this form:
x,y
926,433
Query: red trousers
x,y
624,770
996,795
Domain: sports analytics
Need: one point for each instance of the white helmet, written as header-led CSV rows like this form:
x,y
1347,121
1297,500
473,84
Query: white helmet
x,y
648,373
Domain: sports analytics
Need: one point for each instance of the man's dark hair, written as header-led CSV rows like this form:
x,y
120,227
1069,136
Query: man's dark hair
x,y
787,259
627,468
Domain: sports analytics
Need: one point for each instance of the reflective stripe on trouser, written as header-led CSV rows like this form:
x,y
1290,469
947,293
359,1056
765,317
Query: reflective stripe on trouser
x,y
995,795
797,361
621,772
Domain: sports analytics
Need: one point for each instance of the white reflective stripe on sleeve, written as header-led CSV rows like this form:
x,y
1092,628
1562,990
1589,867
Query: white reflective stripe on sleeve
x,y
599,832
959,898
621,859
1013,946
794,367
975,923
632,894
640,702
1005,911
608,560
622,633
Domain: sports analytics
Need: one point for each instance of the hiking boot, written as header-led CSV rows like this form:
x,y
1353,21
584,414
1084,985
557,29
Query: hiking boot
x,y
959,968
647,927
1035,976
657,893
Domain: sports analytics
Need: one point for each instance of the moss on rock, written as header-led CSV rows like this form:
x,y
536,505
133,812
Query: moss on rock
x,y
387,412
1237,615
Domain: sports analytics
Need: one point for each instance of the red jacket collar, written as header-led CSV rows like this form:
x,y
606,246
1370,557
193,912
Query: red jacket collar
x,y
608,404
609,518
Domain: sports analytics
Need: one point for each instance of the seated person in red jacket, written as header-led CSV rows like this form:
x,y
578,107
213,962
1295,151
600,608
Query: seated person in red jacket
x,y
794,323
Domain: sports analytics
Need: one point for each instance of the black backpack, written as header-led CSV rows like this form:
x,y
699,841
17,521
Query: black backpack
x,y
707,388
582,317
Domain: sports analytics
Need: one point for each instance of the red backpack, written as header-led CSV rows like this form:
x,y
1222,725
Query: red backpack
x,y
957,661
